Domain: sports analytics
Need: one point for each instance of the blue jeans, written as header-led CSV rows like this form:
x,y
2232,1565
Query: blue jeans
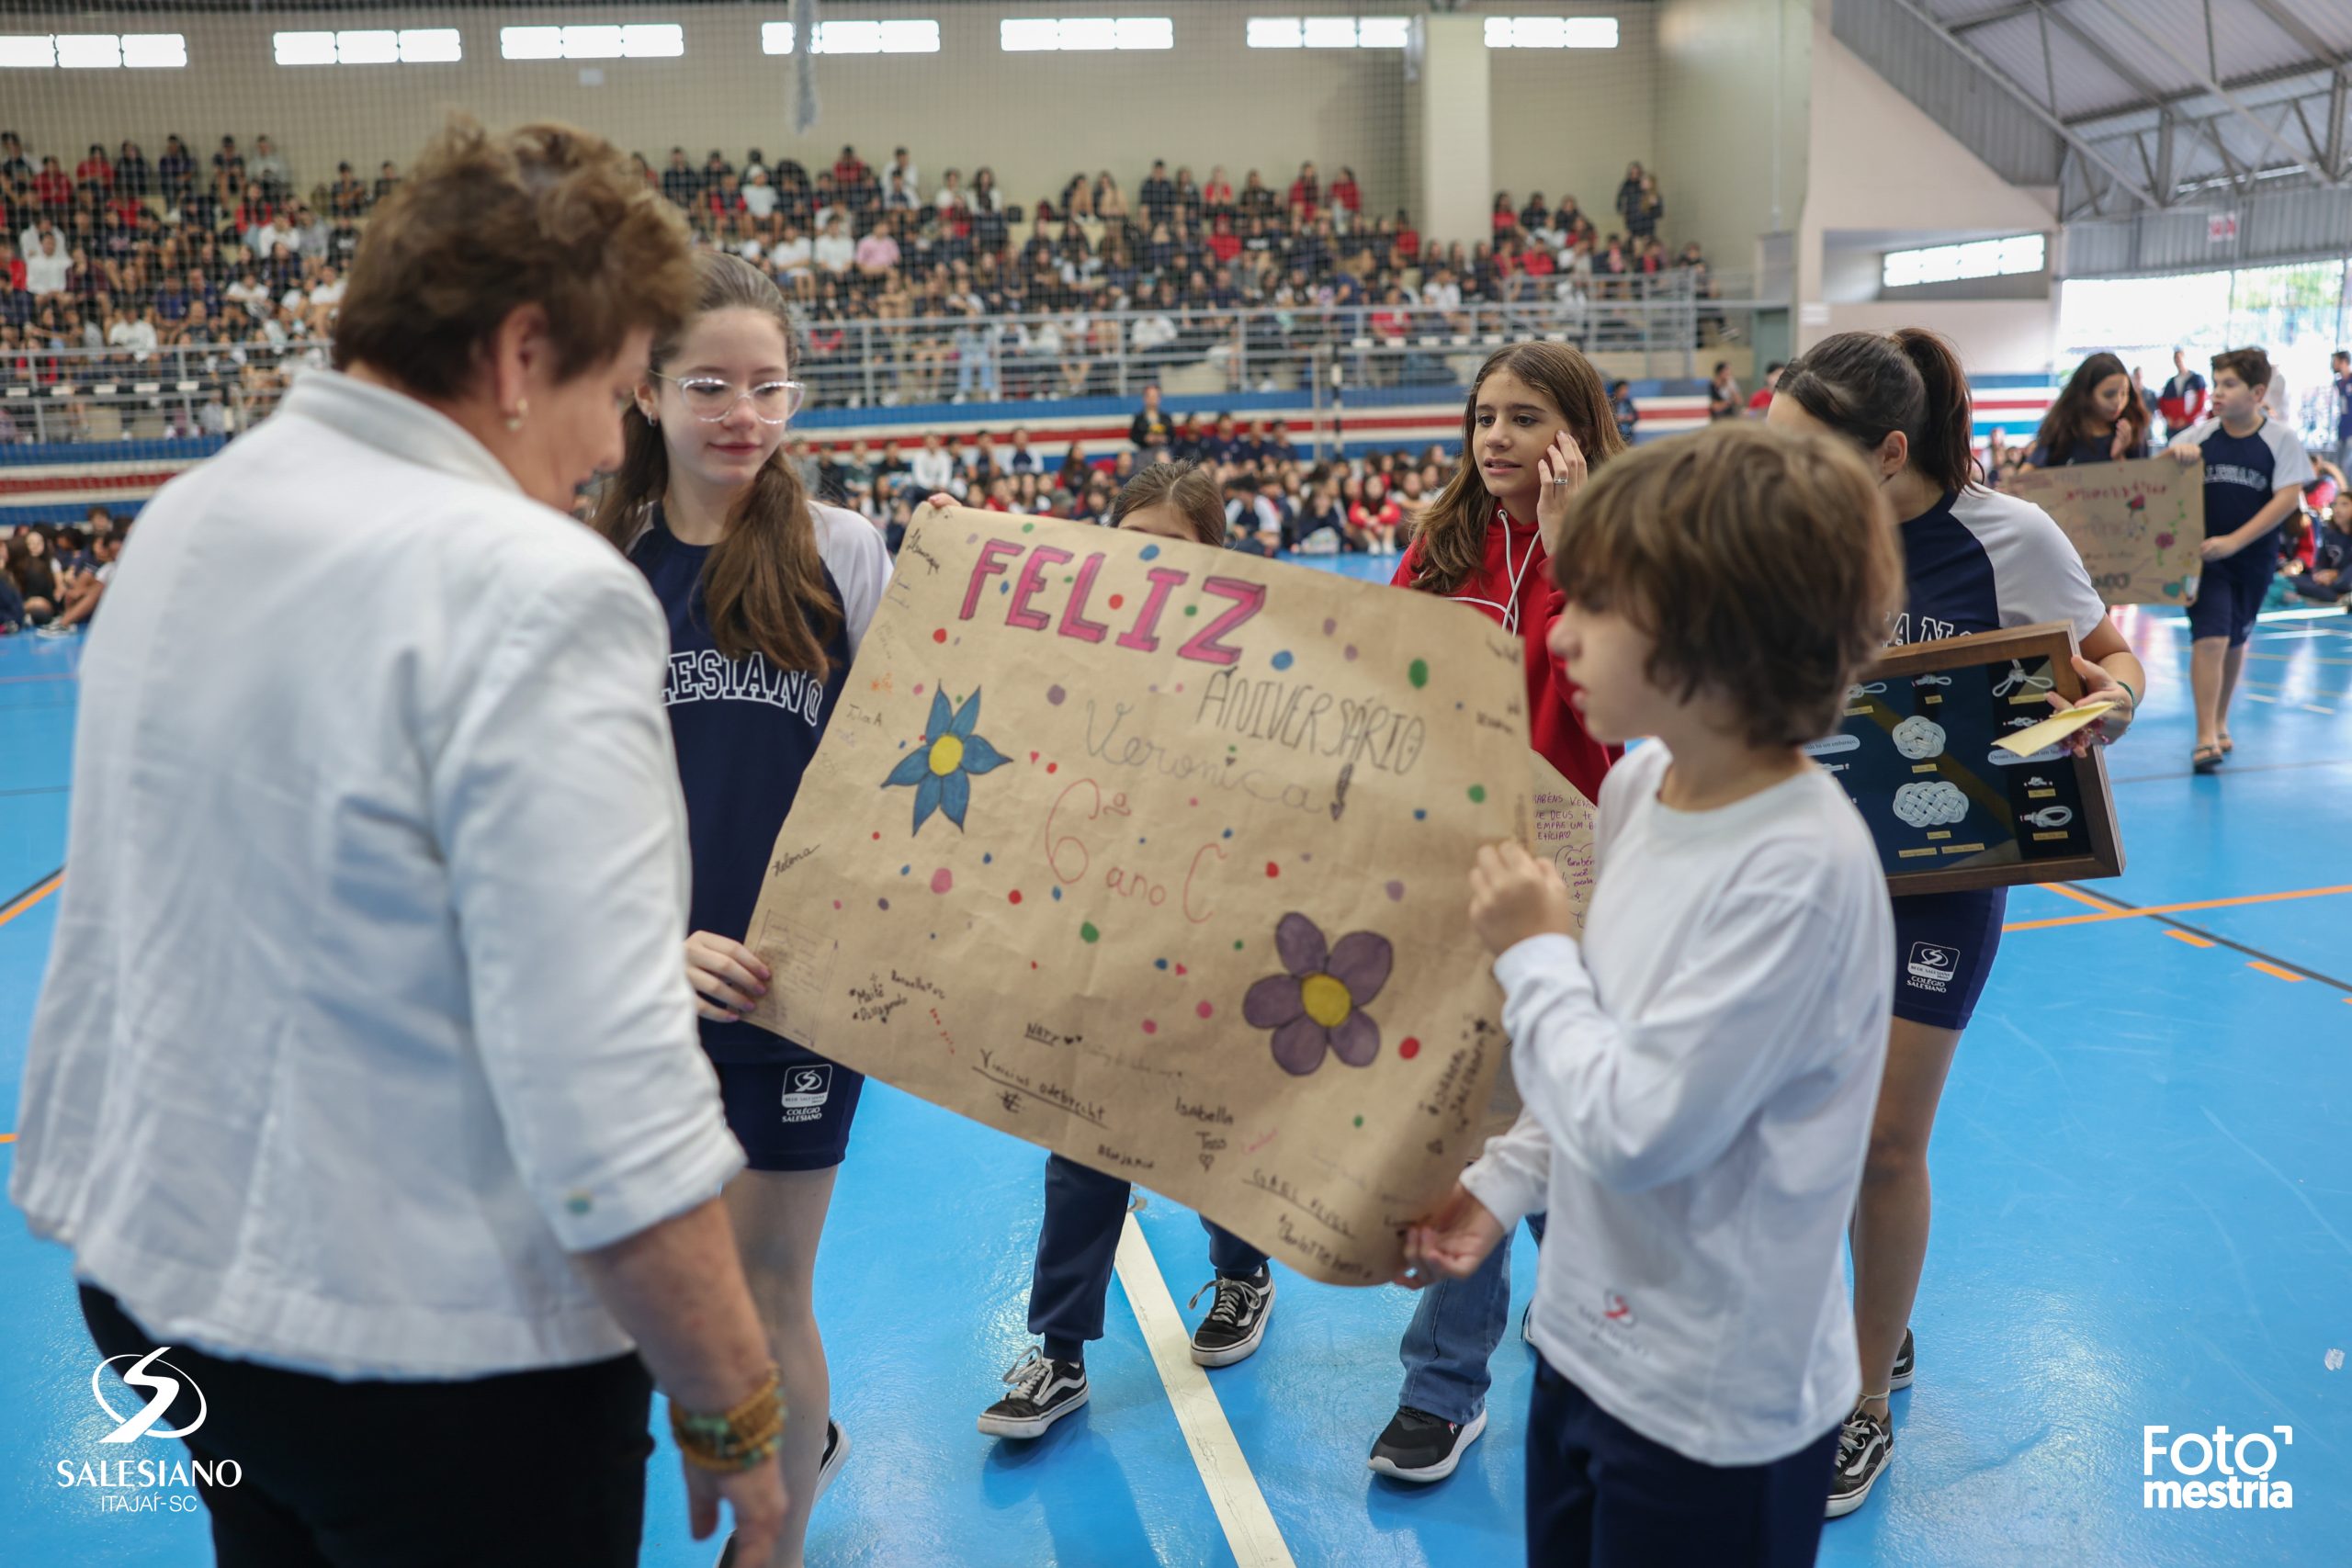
x,y
1078,1249
1456,1325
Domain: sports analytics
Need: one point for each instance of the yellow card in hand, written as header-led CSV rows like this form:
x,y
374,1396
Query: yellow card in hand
x,y
2052,730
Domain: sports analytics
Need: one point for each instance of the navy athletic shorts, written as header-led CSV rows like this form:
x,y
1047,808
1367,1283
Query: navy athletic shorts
x,y
1944,944
2230,594
790,1116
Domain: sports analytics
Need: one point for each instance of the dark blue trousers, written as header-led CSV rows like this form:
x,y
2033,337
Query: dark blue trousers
x,y
1078,1246
1600,1493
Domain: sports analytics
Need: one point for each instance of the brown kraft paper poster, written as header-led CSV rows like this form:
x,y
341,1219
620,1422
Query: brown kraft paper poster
x,y
1155,855
2140,526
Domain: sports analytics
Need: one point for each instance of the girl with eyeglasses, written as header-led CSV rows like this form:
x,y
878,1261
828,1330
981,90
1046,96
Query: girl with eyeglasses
x,y
767,593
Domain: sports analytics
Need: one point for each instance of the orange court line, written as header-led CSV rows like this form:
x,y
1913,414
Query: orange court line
x,y
2273,970
2192,938
2109,912
8,1137
29,899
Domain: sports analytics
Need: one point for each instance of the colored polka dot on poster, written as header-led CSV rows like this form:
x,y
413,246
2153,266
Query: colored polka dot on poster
x,y
1274,869
1417,672
1160,964
1118,601
1349,653
942,880
1420,815
837,903
1329,625
1358,1121
1057,895
1395,892
882,903
1205,1010
1014,896
1150,552
1283,660
1149,1027
1409,1049
1088,934
939,634
1477,794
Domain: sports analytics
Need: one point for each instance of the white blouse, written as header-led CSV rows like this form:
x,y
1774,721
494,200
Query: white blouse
x,y
367,1005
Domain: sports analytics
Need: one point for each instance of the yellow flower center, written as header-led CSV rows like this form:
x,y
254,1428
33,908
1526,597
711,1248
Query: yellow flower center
x,y
1326,999
946,755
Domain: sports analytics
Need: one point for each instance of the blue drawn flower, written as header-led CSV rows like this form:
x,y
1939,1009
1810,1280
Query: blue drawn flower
x,y
941,771
1316,1005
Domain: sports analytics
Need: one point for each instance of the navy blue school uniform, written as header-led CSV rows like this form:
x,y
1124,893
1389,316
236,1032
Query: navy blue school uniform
x,y
2242,474
745,732
2082,450
1976,561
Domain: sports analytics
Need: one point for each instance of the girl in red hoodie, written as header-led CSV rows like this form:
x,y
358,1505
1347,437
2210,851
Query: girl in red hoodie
x,y
1536,418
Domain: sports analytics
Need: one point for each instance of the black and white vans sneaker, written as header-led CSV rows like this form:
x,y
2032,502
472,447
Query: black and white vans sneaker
x,y
1237,1319
1044,1391
829,1465
1904,1363
1864,1445
1418,1446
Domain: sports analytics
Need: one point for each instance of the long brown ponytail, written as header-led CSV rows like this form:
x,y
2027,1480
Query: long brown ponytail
x,y
1451,529
763,585
1866,386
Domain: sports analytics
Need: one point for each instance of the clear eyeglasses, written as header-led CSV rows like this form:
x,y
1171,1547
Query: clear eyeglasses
x,y
710,398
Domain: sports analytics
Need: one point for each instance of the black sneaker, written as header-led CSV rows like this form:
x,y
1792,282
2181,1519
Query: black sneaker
x,y
1237,1319
1903,1365
1418,1446
1864,1445
1044,1391
1527,1325
829,1465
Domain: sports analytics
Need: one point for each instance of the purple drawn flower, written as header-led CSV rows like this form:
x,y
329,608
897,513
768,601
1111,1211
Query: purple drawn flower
x,y
1318,1004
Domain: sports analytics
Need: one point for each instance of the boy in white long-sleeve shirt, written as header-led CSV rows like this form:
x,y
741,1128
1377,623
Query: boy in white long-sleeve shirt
x,y
1700,1072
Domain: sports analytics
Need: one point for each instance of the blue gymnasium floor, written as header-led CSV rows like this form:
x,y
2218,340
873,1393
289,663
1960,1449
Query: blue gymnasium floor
x,y
2143,1216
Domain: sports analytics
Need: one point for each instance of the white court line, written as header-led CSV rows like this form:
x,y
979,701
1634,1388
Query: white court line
x,y
1249,1528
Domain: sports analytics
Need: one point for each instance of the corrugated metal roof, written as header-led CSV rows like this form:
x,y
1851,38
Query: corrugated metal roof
x,y
2137,62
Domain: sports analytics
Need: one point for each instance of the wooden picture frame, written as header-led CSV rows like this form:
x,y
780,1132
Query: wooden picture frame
x,y
1949,810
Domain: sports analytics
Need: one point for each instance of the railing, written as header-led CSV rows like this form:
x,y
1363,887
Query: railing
x,y
1644,327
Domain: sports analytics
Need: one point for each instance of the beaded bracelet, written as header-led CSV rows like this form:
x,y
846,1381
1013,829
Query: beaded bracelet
x,y
742,1439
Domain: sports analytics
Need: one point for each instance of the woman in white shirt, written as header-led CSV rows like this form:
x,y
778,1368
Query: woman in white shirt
x,y
364,1075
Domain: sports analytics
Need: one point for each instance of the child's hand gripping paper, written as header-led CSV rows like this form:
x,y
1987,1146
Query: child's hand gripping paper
x,y
1513,896
1450,1241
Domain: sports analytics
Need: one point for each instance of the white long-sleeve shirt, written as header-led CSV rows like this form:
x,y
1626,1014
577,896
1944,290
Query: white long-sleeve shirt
x,y
1699,1075
368,1003
934,470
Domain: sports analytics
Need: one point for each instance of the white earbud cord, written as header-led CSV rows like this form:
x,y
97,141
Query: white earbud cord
x,y
1510,612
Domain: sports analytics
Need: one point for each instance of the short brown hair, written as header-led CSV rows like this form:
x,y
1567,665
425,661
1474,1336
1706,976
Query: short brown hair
x,y
2250,366
1185,486
486,223
1763,564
